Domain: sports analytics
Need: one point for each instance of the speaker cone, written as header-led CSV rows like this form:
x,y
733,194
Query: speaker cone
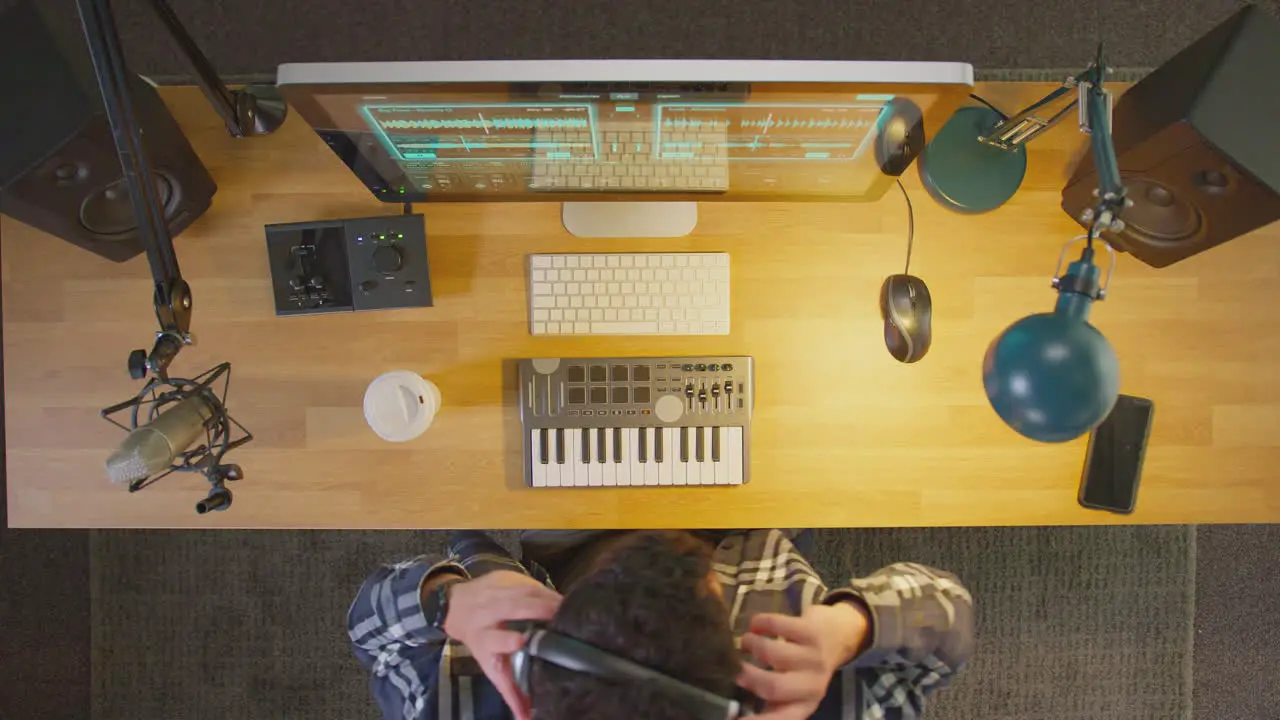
x,y
1159,214
109,211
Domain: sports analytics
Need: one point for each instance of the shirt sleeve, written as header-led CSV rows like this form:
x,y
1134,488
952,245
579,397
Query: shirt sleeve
x,y
390,636
922,635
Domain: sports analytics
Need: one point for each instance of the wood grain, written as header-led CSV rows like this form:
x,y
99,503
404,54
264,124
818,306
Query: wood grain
x,y
844,435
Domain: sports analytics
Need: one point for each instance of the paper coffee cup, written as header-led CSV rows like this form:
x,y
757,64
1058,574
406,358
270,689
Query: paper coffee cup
x,y
400,405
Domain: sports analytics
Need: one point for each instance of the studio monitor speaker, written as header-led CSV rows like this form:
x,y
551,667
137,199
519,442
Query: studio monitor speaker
x,y
59,170
1198,142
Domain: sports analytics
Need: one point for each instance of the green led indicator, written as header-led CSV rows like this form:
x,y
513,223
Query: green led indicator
x,y
401,191
400,235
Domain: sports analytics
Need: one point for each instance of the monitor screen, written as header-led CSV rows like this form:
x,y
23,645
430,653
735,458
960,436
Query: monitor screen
x,y
635,130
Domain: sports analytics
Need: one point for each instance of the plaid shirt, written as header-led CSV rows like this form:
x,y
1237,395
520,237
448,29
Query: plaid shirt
x,y
922,626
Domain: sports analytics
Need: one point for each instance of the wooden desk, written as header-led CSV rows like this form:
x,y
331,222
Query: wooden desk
x,y
844,435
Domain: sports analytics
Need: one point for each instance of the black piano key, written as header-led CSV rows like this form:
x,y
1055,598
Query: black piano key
x,y
600,454
715,444
657,444
586,445
644,445
684,444
544,453
617,445
701,451
559,446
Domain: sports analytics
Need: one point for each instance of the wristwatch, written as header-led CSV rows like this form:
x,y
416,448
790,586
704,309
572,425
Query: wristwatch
x,y
435,604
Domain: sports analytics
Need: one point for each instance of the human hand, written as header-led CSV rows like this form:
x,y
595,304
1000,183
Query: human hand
x,y
477,610
804,652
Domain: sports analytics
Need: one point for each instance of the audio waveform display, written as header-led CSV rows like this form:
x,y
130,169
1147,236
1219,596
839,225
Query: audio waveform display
x,y
767,131
498,123
481,132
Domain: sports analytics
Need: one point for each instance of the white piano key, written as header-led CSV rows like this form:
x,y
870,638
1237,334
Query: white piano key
x,y
595,472
650,467
628,456
539,474
719,470
572,458
665,470
553,468
610,467
679,473
637,468
733,447
695,467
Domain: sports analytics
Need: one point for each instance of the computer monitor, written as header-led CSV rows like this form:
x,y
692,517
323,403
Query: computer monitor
x,y
626,132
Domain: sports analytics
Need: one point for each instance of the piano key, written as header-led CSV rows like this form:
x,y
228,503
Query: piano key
x,y
600,453
585,443
624,468
684,444
665,469
632,451
659,444
617,445
544,452
573,459
538,470
733,451
610,466
700,450
560,456
719,468
595,468
679,467
555,469
650,468
643,452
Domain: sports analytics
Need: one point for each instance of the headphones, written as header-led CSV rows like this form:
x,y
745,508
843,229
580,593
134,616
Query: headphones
x,y
572,654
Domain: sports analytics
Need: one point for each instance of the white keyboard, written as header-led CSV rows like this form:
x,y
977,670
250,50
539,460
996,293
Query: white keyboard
x,y
629,294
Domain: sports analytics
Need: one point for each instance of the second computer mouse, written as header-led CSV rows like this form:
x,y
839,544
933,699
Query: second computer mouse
x,y
907,311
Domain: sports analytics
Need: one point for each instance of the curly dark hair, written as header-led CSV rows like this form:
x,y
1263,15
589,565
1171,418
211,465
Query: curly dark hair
x,y
647,599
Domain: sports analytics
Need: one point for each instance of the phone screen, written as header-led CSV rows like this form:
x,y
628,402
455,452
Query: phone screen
x,y
1114,460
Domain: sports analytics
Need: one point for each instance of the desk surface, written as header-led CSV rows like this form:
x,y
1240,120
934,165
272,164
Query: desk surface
x,y
843,434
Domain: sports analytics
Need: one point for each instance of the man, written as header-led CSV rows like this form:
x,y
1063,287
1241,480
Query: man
x,y
726,611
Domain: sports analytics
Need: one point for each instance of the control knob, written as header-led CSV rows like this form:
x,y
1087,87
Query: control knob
x,y
388,259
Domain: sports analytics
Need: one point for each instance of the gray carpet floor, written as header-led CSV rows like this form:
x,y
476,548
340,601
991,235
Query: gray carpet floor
x,y
1072,622
248,38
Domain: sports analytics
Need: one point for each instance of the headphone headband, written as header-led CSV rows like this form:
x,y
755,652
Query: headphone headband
x,y
572,654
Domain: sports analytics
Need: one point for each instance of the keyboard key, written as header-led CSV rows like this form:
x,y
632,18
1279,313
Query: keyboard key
x,y
624,328
700,442
585,442
684,444
544,455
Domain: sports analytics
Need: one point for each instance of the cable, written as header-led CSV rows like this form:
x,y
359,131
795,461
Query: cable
x,y
911,226
993,107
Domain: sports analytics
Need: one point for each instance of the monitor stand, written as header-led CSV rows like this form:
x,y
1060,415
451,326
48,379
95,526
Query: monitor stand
x,y
630,219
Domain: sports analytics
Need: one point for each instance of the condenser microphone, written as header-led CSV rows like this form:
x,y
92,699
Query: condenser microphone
x,y
153,447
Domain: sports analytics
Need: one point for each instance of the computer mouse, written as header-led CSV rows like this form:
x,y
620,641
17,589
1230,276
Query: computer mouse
x,y
907,310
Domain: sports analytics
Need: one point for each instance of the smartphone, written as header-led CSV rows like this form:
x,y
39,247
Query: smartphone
x,y
1113,463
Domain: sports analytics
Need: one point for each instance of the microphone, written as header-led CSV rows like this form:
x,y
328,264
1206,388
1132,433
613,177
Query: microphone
x,y
179,425
153,447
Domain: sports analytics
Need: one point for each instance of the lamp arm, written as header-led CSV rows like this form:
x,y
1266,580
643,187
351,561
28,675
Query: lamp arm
x,y
1026,124
1105,216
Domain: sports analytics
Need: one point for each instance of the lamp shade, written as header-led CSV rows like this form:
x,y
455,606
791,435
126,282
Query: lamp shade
x,y
1052,376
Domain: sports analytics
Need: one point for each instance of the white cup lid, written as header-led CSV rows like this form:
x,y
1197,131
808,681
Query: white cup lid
x,y
400,405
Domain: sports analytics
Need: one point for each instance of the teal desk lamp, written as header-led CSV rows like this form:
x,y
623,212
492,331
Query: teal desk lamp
x,y
1050,376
